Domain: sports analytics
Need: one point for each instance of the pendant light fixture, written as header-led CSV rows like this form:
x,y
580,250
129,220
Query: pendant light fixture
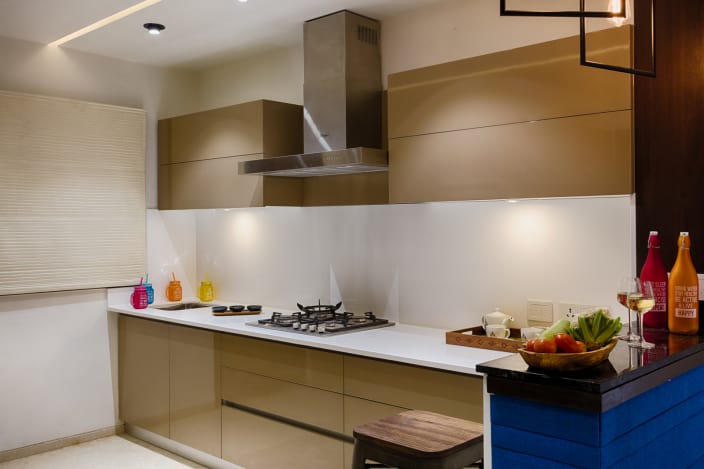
x,y
608,13
616,13
650,72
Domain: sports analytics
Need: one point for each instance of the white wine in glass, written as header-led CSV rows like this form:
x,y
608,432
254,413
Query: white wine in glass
x,y
642,300
627,285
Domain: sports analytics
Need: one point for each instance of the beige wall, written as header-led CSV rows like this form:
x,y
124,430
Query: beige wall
x,y
59,351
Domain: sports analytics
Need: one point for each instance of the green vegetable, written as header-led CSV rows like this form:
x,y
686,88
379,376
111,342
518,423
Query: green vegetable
x,y
559,327
595,329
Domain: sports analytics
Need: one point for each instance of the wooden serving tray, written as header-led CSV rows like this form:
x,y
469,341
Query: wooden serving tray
x,y
478,339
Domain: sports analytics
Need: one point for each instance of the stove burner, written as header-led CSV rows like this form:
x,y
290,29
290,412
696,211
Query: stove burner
x,y
321,319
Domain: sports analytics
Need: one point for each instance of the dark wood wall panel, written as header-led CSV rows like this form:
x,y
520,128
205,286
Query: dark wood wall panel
x,y
669,134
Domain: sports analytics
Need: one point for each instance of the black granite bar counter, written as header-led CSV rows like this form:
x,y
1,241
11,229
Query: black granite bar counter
x,y
627,373
620,414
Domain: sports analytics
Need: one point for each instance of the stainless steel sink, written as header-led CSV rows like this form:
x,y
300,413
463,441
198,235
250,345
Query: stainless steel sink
x,y
182,306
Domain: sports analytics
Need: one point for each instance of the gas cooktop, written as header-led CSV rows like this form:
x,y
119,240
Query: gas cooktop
x,y
321,320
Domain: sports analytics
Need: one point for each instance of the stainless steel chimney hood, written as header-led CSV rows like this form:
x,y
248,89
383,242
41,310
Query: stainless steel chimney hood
x,y
341,101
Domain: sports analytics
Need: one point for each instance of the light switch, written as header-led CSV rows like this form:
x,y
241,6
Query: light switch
x,y
539,310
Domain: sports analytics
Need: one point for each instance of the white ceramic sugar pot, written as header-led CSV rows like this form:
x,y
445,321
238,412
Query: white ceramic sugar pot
x,y
497,317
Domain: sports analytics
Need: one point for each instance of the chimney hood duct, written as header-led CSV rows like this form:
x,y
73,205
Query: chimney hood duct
x,y
341,101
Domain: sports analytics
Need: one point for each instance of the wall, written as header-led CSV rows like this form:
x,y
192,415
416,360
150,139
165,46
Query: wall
x,y
58,350
439,264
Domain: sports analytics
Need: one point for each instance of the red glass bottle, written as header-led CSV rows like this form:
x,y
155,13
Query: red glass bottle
x,y
654,271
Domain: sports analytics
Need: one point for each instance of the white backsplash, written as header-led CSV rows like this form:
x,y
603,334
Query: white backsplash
x,y
437,264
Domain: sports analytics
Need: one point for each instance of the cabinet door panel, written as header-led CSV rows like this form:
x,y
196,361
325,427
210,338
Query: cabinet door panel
x,y
299,365
573,156
413,387
535,82
144,374
217,133
256,442
301,403
213,184
195,388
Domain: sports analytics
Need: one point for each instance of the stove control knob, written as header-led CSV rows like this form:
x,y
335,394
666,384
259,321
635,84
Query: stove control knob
x,y
311,328
321,329
304,327
296,325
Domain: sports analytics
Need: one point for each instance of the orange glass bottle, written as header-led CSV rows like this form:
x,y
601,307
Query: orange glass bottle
x,y
683,292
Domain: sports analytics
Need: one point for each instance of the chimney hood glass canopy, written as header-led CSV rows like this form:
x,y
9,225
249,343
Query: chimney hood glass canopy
x,y
328,163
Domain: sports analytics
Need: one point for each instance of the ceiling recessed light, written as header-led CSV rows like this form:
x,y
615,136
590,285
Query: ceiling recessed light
x,y
242,1
154,28
105,21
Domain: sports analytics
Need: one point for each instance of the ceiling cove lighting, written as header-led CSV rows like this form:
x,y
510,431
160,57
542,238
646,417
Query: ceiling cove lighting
x,y
154,28
104,22
616,13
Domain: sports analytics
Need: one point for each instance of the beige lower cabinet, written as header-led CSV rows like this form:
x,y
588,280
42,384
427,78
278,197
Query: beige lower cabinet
x,y
144,373
288,405
195,388
170,381
265,404
258,442
413,387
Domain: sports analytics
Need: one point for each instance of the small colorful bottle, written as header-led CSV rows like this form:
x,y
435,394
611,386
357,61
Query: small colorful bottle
x,y
205,292
683,292
150,293
138,298
174,291
654,271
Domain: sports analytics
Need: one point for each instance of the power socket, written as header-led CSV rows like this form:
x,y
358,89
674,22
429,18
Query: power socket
x,y
572,310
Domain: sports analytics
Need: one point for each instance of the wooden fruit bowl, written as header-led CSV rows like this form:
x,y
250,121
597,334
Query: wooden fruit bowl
x,y
567,361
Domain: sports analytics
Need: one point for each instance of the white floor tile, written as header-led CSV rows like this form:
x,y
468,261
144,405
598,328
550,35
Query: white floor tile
x,y
114,452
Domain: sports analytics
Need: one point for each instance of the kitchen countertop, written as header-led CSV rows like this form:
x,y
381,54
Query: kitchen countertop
x,y
414,345
627,373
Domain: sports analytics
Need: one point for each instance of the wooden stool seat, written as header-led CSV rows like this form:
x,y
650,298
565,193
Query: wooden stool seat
x,y
418,439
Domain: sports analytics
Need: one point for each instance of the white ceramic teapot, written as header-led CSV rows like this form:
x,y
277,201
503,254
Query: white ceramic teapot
x,y
497,317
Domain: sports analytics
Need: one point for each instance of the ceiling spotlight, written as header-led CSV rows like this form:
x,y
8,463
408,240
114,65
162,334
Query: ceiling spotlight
x,y
154,28
242,1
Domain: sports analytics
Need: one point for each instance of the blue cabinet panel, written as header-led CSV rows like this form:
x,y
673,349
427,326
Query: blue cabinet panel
x,y
505,459
567,424
646,406
546,447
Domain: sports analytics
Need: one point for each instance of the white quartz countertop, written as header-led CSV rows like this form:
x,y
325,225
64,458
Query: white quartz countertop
x,y
422,346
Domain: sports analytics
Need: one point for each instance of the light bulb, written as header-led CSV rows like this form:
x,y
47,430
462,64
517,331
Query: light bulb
x,y
615,7
154,28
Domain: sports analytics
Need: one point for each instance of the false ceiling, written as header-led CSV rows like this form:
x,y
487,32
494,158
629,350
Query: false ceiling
x,y
199,33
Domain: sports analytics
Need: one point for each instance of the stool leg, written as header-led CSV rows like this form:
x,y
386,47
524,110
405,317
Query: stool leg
x,y
358,457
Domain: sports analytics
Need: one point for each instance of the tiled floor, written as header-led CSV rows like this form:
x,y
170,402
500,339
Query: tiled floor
x,y
114,452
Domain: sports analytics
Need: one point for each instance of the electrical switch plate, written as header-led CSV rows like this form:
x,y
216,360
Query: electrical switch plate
x,y
572,310
539,311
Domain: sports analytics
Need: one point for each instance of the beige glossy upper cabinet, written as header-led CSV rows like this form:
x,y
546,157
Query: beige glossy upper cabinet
x,y
199,153
528,122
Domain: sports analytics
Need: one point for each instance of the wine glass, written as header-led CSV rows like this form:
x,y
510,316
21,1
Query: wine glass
x,y
625,286
641,300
